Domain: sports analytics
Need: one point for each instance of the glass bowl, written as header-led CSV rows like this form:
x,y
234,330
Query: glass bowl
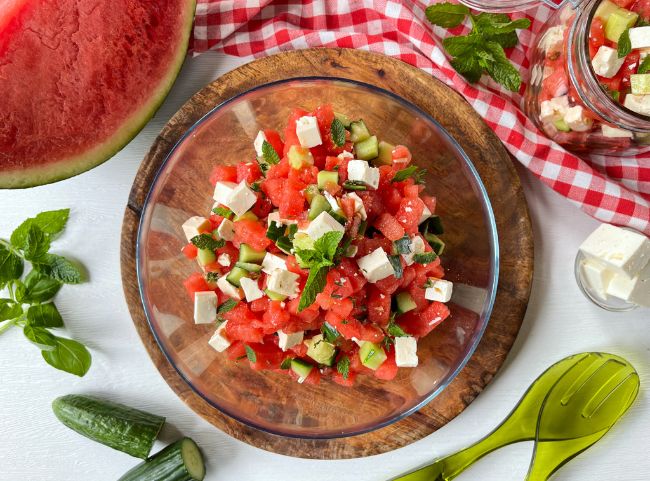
x,y
271,401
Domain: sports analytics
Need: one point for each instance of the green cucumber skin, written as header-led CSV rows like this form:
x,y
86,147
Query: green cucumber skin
x,y
167,465
120,427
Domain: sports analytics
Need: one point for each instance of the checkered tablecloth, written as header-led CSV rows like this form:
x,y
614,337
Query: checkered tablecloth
x,y
612,189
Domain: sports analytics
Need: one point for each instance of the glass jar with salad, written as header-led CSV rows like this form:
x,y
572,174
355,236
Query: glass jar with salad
x,y
589,88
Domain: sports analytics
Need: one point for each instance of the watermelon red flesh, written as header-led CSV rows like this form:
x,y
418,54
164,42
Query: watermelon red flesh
x,y
79,80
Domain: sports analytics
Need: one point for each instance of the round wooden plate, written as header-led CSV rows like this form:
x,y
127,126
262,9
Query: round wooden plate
x,y
497,172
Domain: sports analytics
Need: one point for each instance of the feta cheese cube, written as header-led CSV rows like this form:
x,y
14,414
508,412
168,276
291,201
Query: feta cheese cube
x,y
635,290
205,307
287,341
439,291
275,217
359,208
552,37
219,341
194,226
577,120
426,213
620,250
251,289
376,266
308,132
283,282
259,141
638,103
640,37
228,289
223,260
597,276
345,155
332,201
606,62
241,199
554,109
613,132
406,351
417,247
222,192
323,224
360,171
271,262
226,230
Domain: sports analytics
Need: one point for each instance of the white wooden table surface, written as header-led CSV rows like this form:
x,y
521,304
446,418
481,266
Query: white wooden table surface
x,y
36,447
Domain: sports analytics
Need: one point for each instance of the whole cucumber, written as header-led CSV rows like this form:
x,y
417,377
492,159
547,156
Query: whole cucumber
x,y
120,427
181,461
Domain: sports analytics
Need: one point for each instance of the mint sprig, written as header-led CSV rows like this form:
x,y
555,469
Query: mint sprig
x,y
269,153
338,132
412,171
29,303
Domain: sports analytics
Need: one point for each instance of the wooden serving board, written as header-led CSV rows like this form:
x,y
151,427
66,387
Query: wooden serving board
x,y
496,170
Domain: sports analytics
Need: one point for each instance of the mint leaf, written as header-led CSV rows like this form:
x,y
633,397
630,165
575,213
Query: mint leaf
x,y
314,286
446,14
37,243
9,309
69,356
497,65
309,256
250,354
38,288
223,212
624,44
343,366
461,45
395,330
44,315
327,244
11,265
338,132
506,40
269,153
206,241
40,337
329,333
229,305
59,268
52,221
412,171
497,24
645,65
468,66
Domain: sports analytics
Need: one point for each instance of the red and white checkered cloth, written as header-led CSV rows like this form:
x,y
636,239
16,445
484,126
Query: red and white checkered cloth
x,y
612,189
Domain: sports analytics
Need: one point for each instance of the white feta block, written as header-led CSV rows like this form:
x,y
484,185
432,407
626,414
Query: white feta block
x,y
332,201
241,199
359,208
417,247
623,251
223,260
426,213
577,120
606,62
259,141
376,266
345,155
308,132
440,290
613,132
194,226
222,192
275,217
635,290
271,262
228,289
283,282
323,224
219,341
638,103
287,341
360,171
554,109
597,276
640,37
406,351
205,307
251,289
226,230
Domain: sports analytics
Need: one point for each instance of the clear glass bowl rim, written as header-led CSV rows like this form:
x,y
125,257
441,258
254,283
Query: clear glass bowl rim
x,y
488,216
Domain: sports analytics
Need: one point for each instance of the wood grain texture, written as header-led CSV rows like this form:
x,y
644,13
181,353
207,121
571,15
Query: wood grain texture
x,y
501,181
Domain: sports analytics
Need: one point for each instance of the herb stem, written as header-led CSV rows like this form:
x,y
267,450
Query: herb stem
x,y
11,248
8,324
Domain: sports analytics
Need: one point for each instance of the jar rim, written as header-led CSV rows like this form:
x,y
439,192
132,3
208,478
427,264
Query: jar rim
x,y
508,5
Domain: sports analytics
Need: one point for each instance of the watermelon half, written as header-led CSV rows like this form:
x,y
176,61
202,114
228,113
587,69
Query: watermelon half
x,y
80,78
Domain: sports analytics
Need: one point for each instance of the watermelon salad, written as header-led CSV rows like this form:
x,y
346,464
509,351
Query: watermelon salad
x,y
619,44
320,258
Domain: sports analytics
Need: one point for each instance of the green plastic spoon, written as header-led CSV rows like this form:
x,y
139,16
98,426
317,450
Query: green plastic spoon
x,y
582,406
520,425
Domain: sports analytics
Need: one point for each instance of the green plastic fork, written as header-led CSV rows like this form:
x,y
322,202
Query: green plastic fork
x,y
524,422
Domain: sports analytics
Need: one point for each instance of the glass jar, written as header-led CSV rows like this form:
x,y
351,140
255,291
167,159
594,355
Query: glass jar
x,y
568,101
510,5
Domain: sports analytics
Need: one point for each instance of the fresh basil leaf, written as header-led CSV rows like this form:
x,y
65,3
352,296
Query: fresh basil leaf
x,y
227,306
40,337
329,333
38,288
44,315
37,244
269,153
397,266
11,265
425,258
223,212
447,15
314,286
59,268
206,241
9,309
624,44
69,356
343,366
250,354
338,132
645,65
327,244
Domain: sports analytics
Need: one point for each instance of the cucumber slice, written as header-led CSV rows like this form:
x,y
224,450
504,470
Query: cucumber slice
x,y
326,177
320,350
120,427
248,254
640,83
605,9
344,119
311,191
274,296
339,217
180,461
561,125
436,243
246,216
302,368
618,22
299,157
205,256
434,225
249,266
358,131
367,149
404,302
235,275
319,205
385,155
372,355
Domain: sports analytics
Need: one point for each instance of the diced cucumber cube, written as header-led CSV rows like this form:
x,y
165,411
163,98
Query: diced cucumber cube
x,y
372,355
436,243
299,157
319,205
326,178
235,276
248,254
249,266
640,83
618,22
303,241
311,191
605,9
205,257
358,131
385,155
274,296
320,350
246,216
404,302
367,149
301,368
561,125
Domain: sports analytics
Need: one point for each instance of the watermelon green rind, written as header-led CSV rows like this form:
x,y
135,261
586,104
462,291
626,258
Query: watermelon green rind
x,y
66,168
